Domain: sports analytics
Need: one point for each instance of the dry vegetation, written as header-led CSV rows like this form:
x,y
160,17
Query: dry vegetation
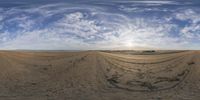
x,y
100,75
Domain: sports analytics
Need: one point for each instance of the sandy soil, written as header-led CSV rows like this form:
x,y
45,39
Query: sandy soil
x,y
95,75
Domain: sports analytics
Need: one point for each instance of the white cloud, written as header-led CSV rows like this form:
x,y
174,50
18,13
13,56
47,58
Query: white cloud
x,y
191,31
77,24
1,17
93,28
134,8
148,2
4,37
188,14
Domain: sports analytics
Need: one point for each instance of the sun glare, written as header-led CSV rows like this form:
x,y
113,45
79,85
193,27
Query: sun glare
x,y
129,44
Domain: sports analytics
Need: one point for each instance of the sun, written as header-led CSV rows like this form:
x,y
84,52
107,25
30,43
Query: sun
x,y
129,44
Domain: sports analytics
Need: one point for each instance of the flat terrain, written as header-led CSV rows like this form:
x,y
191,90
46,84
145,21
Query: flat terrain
x,y
100,75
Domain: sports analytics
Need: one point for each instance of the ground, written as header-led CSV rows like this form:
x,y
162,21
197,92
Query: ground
x,y
100,75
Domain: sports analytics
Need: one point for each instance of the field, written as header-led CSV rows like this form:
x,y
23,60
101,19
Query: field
x,y
100,75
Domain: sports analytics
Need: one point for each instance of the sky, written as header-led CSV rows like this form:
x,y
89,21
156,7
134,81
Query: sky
x,y
99,24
